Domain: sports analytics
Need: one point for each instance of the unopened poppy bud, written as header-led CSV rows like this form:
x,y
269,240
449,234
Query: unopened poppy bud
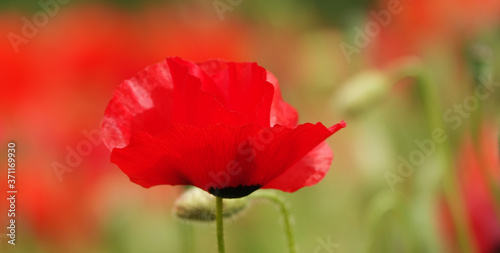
x,y
361,90
198,205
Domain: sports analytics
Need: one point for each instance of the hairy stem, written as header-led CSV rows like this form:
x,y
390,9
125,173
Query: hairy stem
x,y
220,225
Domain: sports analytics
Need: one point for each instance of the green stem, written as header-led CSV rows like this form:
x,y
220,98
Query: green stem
x,y
187,237
220,226
451,187
285,213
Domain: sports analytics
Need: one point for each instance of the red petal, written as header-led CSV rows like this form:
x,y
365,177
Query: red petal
x,y
194,106
307,172
141,162
281,112
137,103
220,156
160,95
240,87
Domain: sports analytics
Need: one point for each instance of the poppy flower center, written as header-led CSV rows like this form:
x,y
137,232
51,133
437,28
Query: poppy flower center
x,y
234,192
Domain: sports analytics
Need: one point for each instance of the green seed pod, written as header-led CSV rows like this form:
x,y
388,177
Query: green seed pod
x,y
361,91
198,205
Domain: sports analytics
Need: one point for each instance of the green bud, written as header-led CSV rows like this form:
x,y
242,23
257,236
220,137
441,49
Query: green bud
x,y
361,91
198,205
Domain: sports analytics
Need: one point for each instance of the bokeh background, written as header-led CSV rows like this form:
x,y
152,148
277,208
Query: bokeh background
x,y
396,71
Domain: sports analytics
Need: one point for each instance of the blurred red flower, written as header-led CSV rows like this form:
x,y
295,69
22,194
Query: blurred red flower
x,y
53,92
422,25
191,32
476,166
53,213
220,126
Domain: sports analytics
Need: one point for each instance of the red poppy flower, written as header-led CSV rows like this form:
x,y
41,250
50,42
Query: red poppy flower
x,y
220,126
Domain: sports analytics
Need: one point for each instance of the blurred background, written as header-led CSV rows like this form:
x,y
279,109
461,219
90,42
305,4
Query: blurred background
x,y
418,83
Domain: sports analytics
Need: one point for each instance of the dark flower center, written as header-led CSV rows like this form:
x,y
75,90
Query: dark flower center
x,y
233,192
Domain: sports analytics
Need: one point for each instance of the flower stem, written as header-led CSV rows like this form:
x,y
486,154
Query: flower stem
x,y
187,237
220,225
451,187
285,213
